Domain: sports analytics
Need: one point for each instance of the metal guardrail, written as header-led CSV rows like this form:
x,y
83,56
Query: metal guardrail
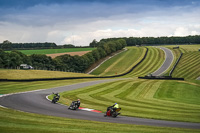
x,y
175,64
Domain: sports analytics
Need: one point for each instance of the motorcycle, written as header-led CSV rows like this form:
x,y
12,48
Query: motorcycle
x,y
113,112
74,105
55,98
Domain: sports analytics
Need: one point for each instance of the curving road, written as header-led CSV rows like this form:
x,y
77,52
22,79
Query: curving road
x,y
36,102
169,57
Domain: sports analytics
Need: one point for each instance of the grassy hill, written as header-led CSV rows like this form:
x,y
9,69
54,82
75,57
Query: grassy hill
x,y
155,58
121,62
126,60
189,65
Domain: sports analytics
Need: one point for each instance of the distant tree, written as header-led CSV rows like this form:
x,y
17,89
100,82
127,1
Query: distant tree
x,y
14,60
90,57
102,52
7,42
3,58
6,45
68,46
41,61
94,43
96,54
25,58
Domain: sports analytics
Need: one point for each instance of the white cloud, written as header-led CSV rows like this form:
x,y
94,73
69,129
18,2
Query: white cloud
x,y
64,24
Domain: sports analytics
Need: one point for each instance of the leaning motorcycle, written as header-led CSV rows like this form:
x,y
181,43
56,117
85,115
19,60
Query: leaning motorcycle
x,y
74,105
56,98
113,112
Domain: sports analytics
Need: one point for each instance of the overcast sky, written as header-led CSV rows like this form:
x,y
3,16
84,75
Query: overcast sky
x,y
78,22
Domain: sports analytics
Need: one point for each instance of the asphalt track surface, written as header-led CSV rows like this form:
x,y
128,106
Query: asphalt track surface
x,y
36,102
169,57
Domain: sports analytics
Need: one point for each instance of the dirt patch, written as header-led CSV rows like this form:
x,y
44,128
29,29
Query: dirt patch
x,y
70,53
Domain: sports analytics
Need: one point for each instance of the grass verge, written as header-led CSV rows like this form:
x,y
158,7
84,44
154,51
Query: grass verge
x,y
36,74
20,122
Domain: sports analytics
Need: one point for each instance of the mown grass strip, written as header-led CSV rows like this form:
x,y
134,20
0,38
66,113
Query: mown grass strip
x,y
120,63
15,87
188,66
20,122
36,74
155,58
142,98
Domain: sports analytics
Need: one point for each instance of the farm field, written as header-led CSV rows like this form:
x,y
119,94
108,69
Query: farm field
x,y
54,51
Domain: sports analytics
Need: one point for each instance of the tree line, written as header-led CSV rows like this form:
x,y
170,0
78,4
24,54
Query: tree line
x,y
66,62
133,41
7,45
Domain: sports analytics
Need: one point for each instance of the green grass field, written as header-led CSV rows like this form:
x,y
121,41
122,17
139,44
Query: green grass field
x,y
14,121
54,51
188,66
121,62
20,122
125,61
15,87
155,58
157,99
36,74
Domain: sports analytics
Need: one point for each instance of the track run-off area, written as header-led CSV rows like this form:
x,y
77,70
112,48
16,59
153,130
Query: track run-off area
x,y
36,102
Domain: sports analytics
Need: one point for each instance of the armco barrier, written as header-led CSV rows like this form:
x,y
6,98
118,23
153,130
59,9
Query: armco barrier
x,y
175,64
160,78
66,78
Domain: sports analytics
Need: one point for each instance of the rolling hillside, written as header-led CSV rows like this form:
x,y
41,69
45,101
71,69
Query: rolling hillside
x,y
121,62
154,59
126,60
188,66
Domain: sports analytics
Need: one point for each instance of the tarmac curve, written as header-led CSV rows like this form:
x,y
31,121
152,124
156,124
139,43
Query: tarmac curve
x,y
169,57
36,102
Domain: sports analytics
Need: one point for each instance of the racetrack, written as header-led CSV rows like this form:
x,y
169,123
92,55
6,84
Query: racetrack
x,y
167,63
36,102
